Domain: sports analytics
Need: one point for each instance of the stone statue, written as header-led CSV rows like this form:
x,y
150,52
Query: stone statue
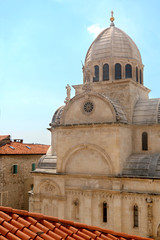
x,y
68,94
86,73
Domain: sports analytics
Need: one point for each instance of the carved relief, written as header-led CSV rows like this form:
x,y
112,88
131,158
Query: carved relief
x,y
47,188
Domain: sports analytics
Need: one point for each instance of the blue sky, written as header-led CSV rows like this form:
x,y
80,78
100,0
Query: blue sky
x,y
42,43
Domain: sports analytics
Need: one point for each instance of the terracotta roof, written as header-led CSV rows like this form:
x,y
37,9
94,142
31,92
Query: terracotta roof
x,y
20,224
23,148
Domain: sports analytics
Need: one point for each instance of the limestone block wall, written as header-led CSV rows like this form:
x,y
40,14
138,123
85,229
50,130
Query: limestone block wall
x,y
14,187
126,92
153,132
96,147
80,198
48,195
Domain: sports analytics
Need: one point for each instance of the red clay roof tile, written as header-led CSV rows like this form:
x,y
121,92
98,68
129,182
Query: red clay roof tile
x,y
17,224
5,216
54,235
22,235
29,233
83,235
24,222
31,220
11,236
10,227
2,238
75,236
48,225
70,238
60,233
3,230
92,235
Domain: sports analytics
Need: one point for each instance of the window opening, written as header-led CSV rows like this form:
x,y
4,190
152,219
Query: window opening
x,y
15,169
33,166
144,141
128,71
140,76
135,216
105,72
136,74
96,74
104,212
118,71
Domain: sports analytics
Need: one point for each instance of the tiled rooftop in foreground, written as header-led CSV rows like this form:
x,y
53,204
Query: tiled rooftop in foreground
x,y
20,224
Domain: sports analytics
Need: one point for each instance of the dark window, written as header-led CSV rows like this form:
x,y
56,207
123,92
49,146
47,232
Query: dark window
x,y
140,76
15,169
144,141
135,216
104,212
128,71
96,74
118,71
136,74
33,166
105,72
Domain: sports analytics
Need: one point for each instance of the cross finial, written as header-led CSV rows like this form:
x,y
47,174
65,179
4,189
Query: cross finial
x,y
112,18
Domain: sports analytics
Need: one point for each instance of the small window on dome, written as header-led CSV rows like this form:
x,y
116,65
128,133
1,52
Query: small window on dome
x,y
128,71
105,72
118,71
140,75
136,74
96,74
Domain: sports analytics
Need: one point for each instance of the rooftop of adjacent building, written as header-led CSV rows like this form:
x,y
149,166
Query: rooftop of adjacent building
x,y
20,224
7,146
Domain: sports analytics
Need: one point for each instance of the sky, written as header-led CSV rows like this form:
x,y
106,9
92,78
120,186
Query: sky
x,y
42,44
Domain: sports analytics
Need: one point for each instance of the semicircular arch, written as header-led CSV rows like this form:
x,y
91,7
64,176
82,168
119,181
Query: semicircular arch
x,y
100,155
103,109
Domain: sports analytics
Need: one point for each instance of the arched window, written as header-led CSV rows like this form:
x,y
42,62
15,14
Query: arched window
x,y
105,72
135,216
128,71
118,71
104,212
96,74
144,141
136,74
140,73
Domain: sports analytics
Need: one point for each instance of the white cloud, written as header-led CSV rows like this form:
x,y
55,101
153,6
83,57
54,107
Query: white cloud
x,y
95,29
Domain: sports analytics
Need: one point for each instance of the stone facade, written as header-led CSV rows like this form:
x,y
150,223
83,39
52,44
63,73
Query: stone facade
x,y
103,167
16,165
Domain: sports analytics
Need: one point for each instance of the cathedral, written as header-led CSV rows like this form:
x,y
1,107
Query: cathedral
x,y
103,166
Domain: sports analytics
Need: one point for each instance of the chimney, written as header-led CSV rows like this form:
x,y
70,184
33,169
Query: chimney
x,y
18,140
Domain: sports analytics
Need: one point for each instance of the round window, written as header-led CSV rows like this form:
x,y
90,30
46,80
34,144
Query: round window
x,y
88,107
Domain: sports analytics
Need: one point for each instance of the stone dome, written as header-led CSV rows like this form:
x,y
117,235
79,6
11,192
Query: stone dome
x,y
113,43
